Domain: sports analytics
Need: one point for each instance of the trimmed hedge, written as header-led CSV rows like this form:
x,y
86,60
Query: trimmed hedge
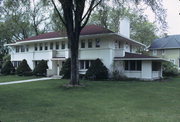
x,y
97,71
66,69
8,68
24,69
41,68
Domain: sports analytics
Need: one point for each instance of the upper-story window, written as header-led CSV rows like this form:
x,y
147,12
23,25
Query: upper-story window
x,y
89,43
82,43
17,49
62,45
22,48
51,45
57,45
163,51
46,46
116,44
131,48
35,47
40,46
27,48
154,52
119,44
98,42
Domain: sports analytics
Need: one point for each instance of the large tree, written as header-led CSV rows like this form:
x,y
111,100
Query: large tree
x,y
75,17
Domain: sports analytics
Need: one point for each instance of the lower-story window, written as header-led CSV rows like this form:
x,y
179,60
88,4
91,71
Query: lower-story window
x,y
85,64
16,63
133,65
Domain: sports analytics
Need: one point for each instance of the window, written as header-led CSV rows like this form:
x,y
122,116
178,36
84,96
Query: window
x,y
82,43
36,63
131,48
116,44
27,48
154,52
35,47
133,65
163,51
22,48
156,66
46,46
51,45
57,45
62,45
172,61
97,42
40,46
85,64
119,44
16,63
17,49
90,43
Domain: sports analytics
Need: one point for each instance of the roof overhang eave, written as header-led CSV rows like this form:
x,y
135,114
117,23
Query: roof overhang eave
x,y
59,38
143,59
133,41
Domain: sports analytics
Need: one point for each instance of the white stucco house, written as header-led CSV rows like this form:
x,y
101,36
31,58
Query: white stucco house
x,y
116,50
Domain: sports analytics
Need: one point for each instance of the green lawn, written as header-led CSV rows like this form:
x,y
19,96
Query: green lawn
x,y
14,78
101,101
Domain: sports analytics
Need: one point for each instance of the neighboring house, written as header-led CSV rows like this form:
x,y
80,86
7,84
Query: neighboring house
x,y
116,51
168,48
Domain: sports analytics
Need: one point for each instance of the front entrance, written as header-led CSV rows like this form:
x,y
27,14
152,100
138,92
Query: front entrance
x,y
57,65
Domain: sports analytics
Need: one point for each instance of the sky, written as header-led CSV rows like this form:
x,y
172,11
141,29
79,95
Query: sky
x,y
173,17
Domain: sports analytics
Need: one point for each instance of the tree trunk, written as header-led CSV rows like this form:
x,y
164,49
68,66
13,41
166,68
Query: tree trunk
x,y
74,49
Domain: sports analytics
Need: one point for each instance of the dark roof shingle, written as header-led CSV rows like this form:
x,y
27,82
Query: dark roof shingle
x,y
171,41
87,30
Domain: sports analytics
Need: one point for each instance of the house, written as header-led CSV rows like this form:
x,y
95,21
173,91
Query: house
x,y
116,50
168,48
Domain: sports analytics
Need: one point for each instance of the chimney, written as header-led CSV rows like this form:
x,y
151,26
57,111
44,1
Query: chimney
x,y
124,27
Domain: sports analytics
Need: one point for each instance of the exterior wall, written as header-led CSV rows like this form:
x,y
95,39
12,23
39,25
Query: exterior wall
x,y
106,52
169,54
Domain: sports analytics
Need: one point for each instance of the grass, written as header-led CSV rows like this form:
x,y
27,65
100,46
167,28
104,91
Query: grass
x,y
14,78
101,101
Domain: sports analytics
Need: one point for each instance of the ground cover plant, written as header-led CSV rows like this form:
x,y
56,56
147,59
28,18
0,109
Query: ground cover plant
x,y
99,101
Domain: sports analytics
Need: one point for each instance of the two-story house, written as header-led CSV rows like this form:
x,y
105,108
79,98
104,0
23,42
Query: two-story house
x,y
168,48
116,51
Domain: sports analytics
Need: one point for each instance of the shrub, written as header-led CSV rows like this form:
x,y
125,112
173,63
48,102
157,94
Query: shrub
x,y
116,75
66,69
97,71
8,68
41,68
169,69
23,69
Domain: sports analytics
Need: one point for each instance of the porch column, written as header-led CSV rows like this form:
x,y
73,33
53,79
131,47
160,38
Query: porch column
x,y
146,69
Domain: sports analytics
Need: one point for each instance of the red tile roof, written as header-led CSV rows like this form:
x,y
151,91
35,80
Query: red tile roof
x,y
87,30
133,55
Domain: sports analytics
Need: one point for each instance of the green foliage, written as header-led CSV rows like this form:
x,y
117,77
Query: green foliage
x,y
169,69
24,69
8,68
40,69
66,69
109,17
97,71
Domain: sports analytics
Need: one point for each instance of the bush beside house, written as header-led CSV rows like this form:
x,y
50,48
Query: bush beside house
x,y
24,69
8,68
169,69
66,69
97,71
41,68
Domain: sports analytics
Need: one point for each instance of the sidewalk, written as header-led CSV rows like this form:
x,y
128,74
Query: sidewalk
x,y
24,81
